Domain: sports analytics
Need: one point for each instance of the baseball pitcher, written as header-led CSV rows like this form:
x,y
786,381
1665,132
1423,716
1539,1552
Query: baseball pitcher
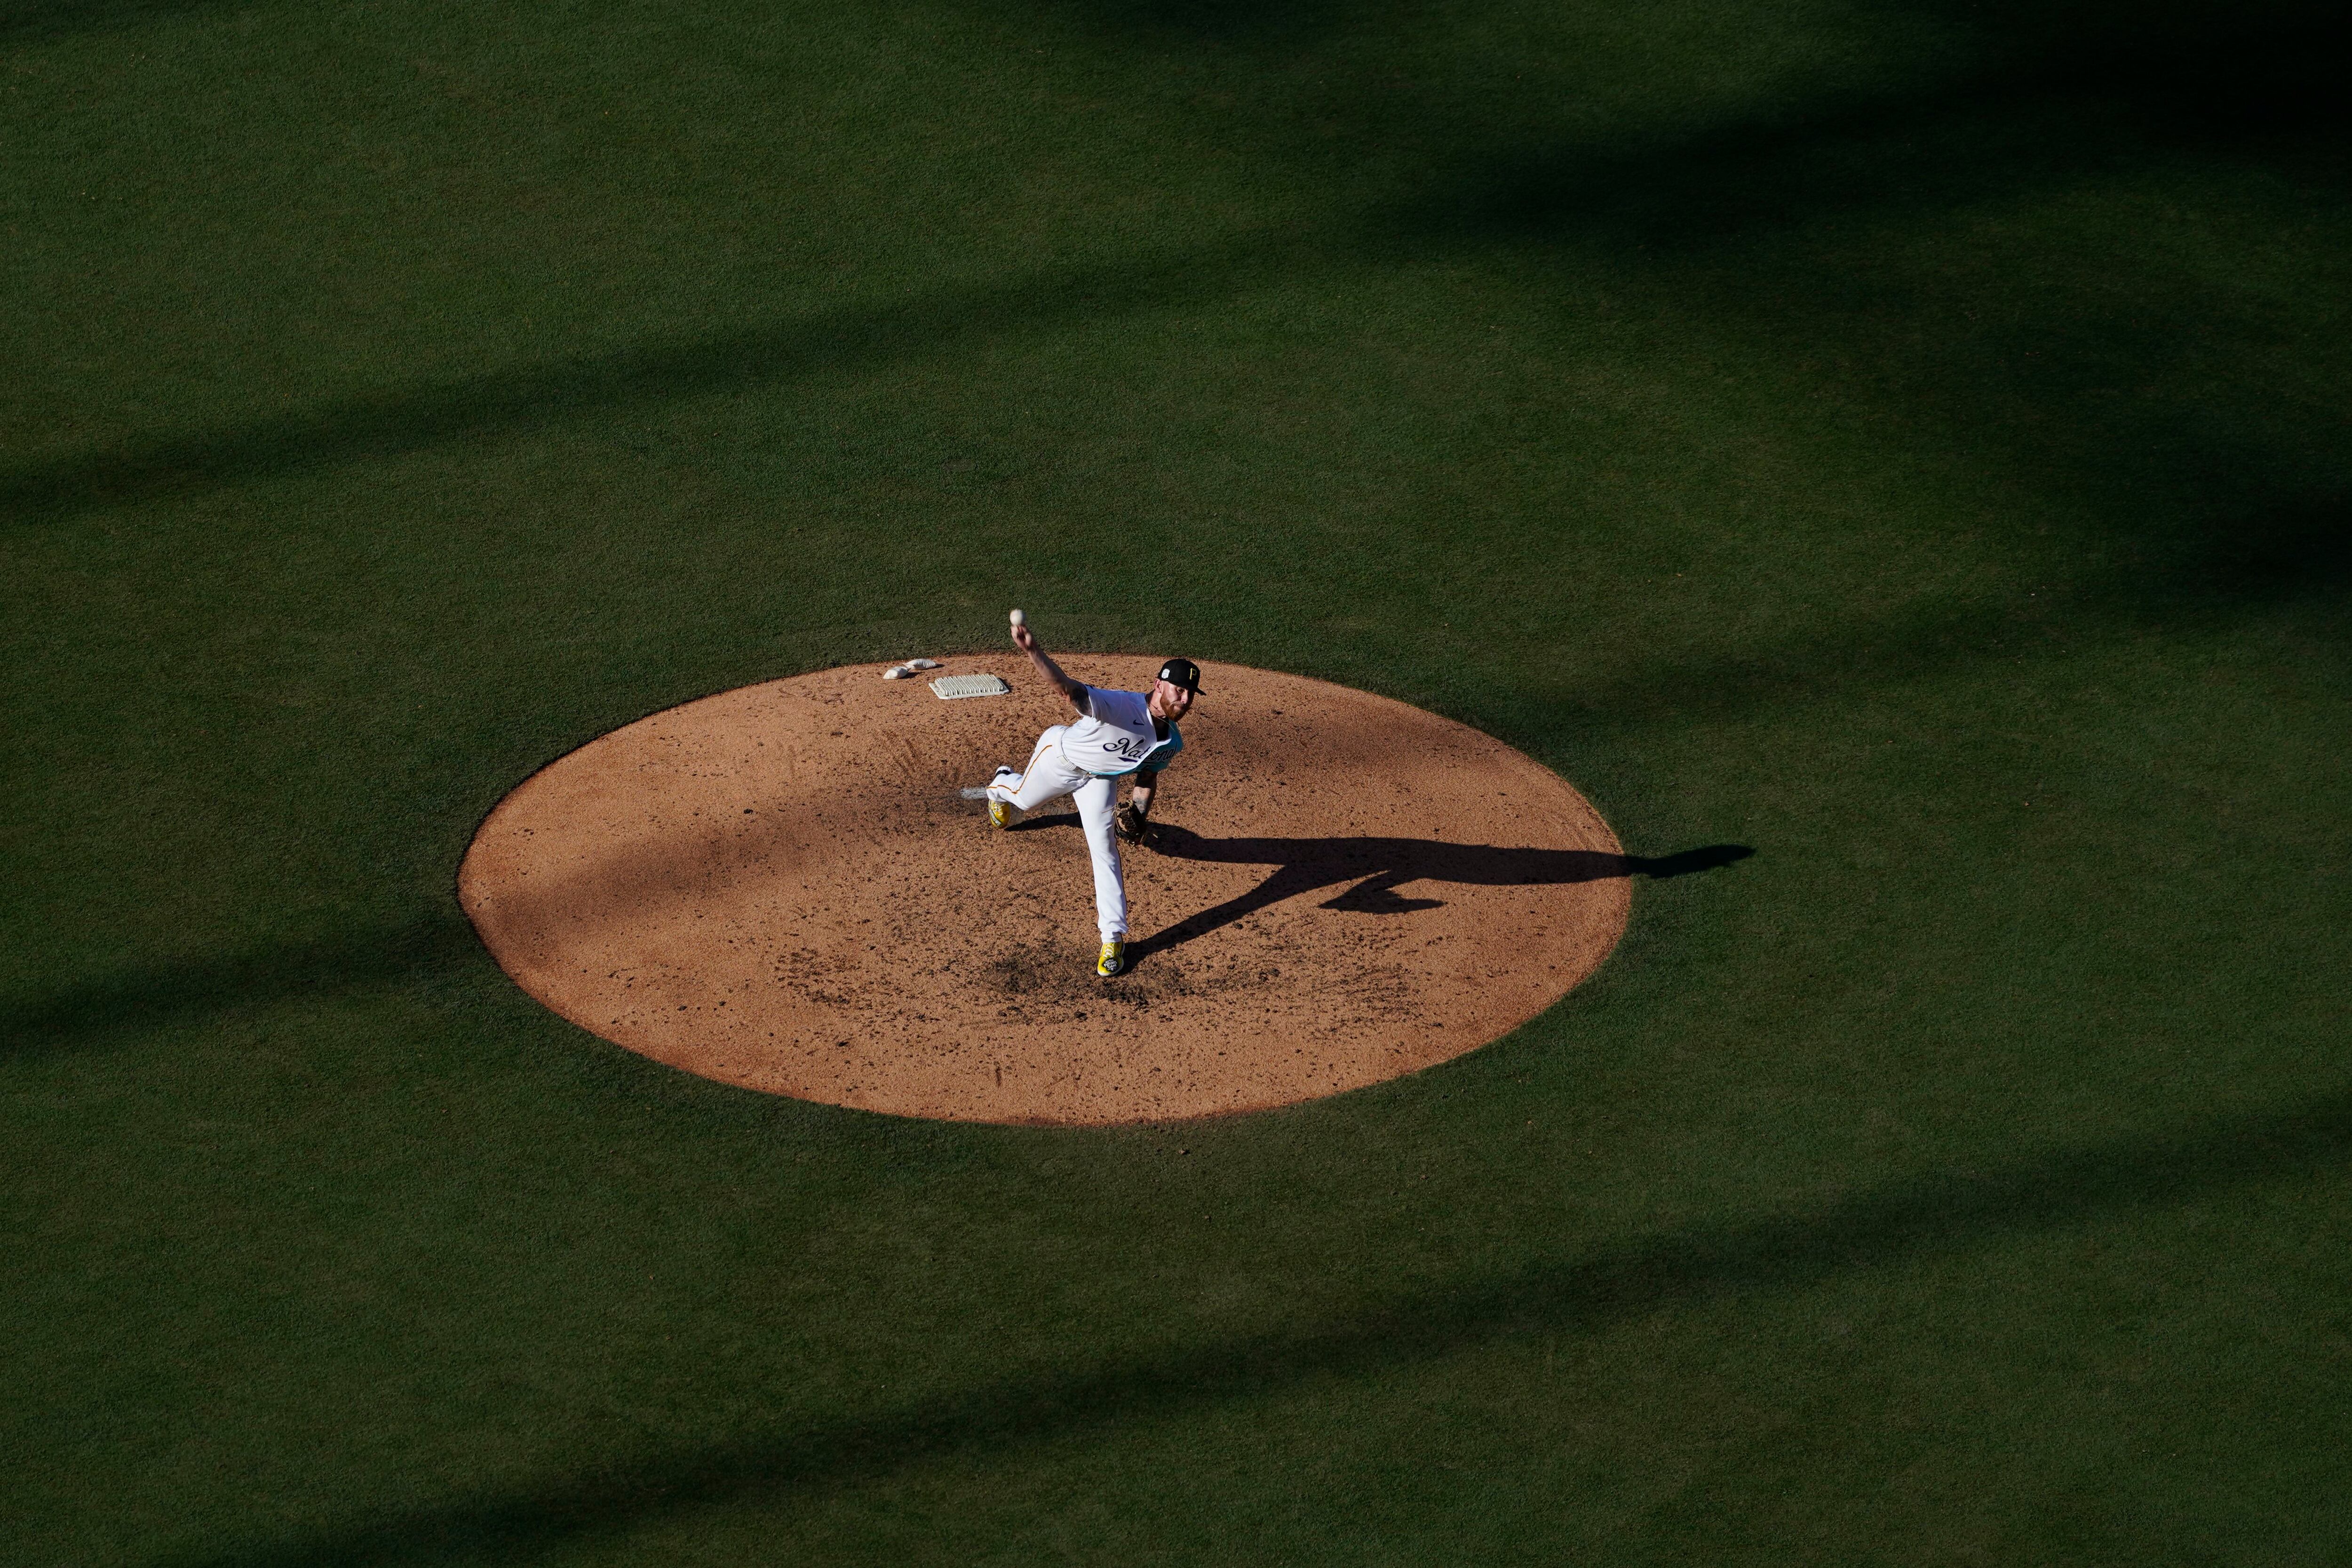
x,y
1117,733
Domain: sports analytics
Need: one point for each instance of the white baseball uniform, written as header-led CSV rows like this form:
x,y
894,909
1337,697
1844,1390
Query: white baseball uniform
x,y
1085,760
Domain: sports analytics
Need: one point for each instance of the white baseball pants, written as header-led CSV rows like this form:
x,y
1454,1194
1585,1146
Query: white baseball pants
x,y
1048,778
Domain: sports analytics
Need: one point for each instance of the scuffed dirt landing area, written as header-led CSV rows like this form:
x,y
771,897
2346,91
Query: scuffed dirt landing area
x,y
780,887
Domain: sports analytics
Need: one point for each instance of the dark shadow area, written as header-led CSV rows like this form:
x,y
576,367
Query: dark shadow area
x,y
2192,67
2294,556
1050,817
2060,97
1658,867
1378,866
170,990
507,402
1924,1217
2033,116
1251,24
1826,228
2150,405
31,21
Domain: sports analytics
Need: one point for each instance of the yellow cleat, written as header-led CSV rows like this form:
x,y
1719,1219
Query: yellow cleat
x,y
1113,959
1000,814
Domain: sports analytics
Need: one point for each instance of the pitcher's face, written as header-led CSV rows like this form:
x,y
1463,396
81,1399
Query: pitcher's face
x,y
1169,700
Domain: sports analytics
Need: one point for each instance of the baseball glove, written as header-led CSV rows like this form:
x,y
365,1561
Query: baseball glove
x,y
1133,826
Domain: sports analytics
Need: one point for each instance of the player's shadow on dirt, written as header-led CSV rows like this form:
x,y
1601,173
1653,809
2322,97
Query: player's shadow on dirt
x,y
1377,868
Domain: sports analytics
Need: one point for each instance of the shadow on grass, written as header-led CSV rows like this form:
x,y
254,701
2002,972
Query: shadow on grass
x,y
35,21
1780,166
2038,115
1378,866
1918,257
1923,1217
2298,557
500,404
172,990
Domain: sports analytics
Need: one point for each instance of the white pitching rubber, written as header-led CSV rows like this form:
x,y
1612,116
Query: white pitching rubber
x,y
949,687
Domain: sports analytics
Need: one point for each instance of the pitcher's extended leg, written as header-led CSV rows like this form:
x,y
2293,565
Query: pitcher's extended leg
x,y
1096,799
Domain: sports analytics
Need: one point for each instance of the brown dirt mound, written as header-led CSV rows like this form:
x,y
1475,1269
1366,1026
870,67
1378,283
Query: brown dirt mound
x,y
780,886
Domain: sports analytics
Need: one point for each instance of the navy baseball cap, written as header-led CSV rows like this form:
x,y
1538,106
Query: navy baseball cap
x,y
1183,672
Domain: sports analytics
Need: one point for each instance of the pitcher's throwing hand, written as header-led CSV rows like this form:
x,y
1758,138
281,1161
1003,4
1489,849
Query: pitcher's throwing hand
x,y
1115,733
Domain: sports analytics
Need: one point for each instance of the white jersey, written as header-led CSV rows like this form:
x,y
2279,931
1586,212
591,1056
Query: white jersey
x,y
1118,736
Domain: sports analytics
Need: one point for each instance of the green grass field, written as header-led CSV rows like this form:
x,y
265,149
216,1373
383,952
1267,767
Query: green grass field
x,y
1911,438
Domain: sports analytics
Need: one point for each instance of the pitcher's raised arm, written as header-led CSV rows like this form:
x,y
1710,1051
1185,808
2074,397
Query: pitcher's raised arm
x,y
1075,692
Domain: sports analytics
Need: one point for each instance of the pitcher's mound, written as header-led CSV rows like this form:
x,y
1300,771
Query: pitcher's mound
x,y
781,888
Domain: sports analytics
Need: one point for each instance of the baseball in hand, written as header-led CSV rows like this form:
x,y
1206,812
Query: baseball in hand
x,y
1019,619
